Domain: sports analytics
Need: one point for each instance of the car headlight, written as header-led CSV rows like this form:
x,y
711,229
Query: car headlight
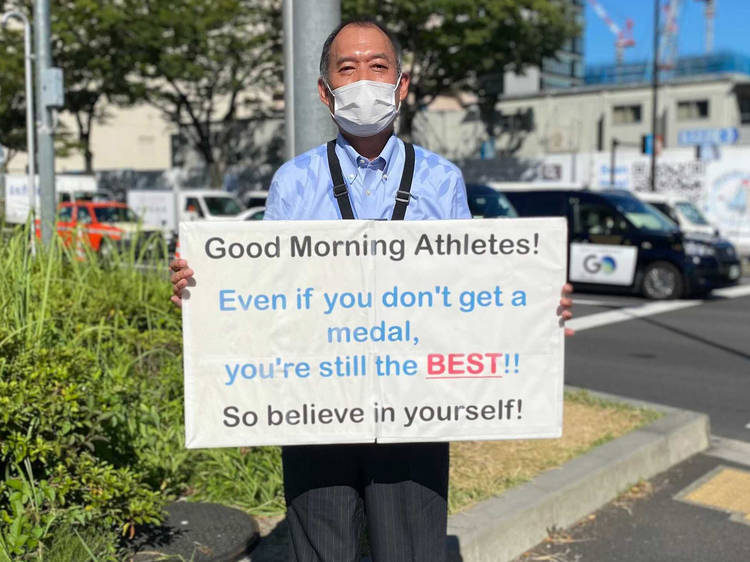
x,y
693,248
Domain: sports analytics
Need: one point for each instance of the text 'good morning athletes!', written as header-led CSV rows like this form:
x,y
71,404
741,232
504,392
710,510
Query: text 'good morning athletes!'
x,y
396,249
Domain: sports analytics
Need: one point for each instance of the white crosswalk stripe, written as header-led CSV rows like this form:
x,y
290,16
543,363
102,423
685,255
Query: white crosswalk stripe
x,y
626,313
732,292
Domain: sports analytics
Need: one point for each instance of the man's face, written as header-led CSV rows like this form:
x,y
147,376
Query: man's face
x,y
361,52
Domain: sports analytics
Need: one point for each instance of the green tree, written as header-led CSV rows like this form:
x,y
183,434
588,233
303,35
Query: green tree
x,y
92,41
205,63
12,98
452,45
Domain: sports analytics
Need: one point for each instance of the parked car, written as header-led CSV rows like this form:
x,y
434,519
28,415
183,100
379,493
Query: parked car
x,y
253,214
619,243
682,211
255,198
486,202
105,226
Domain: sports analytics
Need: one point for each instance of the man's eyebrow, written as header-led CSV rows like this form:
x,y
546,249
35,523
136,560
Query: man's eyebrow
x,y
355,59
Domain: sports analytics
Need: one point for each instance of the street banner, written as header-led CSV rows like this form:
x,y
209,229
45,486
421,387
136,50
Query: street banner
x,y
313,332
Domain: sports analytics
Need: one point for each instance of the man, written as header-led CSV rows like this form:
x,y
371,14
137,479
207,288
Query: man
x,y
400,490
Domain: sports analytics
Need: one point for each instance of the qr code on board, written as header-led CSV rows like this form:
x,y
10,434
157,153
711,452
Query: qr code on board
x,y
685,178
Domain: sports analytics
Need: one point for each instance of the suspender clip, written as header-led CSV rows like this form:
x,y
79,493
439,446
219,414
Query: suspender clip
x,y
340,190
403,196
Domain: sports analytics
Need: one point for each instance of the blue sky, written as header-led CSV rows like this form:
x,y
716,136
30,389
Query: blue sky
x,y
731,29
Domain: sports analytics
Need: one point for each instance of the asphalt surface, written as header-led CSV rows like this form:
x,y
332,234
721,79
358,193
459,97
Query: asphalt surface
x,y
650,525
696,357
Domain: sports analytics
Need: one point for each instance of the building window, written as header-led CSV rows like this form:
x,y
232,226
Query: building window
x,y
626,114
693,109
521,120
744,103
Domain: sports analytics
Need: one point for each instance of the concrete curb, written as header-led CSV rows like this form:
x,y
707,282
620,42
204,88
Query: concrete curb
x,y
502,528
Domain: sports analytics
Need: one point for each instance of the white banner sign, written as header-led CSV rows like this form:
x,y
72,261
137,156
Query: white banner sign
x,y
602,263
17,193
360,331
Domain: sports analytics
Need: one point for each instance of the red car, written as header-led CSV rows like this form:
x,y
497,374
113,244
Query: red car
x,y
103,226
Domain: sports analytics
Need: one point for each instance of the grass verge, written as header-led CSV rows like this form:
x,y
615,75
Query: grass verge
x,y
482,469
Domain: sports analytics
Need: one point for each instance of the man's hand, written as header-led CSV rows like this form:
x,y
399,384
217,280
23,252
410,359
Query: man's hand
x,y
564,311
180,279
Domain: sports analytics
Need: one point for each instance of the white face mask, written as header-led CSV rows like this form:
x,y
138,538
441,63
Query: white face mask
x,y
366,107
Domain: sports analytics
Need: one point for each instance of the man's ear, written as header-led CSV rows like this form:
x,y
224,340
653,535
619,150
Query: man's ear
x,y
403,87
325,95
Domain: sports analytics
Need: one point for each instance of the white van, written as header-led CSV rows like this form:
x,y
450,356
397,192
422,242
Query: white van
x,y
165,209
687,216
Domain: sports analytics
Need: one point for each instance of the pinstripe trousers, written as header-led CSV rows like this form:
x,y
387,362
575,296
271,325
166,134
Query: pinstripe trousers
x,y
399,490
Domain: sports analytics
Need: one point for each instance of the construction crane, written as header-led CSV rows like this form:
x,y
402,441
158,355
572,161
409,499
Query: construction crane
x,y
670,31
669,34
623,37
709,14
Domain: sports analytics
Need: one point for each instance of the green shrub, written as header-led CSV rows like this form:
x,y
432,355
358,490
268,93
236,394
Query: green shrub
x,y
78,342
91,408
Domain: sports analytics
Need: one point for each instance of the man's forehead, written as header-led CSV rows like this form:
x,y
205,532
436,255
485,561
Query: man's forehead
x,y
357,39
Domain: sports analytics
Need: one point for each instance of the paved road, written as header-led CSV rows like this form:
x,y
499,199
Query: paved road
x,y
692,355
696,357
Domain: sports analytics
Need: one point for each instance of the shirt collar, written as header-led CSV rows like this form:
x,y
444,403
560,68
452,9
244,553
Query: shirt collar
x,y
357,160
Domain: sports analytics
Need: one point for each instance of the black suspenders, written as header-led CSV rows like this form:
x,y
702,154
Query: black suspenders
x,y
342,194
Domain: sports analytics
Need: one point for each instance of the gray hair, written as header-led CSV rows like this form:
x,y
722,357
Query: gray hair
x,y
325,55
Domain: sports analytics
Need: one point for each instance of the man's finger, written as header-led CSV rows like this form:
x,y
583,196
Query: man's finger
x,y
176,300
178,264
570,332
183,274
567,288
566,301
179,286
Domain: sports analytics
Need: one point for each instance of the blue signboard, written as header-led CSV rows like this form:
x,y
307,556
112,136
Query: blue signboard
x,y
698,137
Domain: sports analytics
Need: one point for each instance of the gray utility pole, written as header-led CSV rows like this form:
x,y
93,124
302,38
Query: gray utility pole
x,y
306,26
655,95
30,149
48,97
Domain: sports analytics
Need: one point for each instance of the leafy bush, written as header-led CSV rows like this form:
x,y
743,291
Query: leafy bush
x,y
72,336
91,427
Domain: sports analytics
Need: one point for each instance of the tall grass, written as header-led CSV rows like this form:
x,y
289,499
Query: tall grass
x,y
91,404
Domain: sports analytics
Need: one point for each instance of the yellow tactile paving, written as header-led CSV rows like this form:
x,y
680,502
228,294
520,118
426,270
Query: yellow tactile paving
x,y
727,489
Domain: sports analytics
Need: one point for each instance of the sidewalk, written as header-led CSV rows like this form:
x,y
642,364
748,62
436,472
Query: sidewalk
x,y
697,511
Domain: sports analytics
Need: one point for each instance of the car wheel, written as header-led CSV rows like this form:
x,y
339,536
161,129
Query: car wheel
x,y
661,281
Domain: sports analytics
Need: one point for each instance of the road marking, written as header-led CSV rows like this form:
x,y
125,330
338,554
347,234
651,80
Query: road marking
x,y
733,292
587,302
627,313
723,489
731,450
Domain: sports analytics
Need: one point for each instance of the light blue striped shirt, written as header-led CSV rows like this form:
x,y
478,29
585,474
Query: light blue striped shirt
x,y
302,189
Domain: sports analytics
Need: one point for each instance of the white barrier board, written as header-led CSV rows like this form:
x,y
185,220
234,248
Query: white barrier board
x,y
305,332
